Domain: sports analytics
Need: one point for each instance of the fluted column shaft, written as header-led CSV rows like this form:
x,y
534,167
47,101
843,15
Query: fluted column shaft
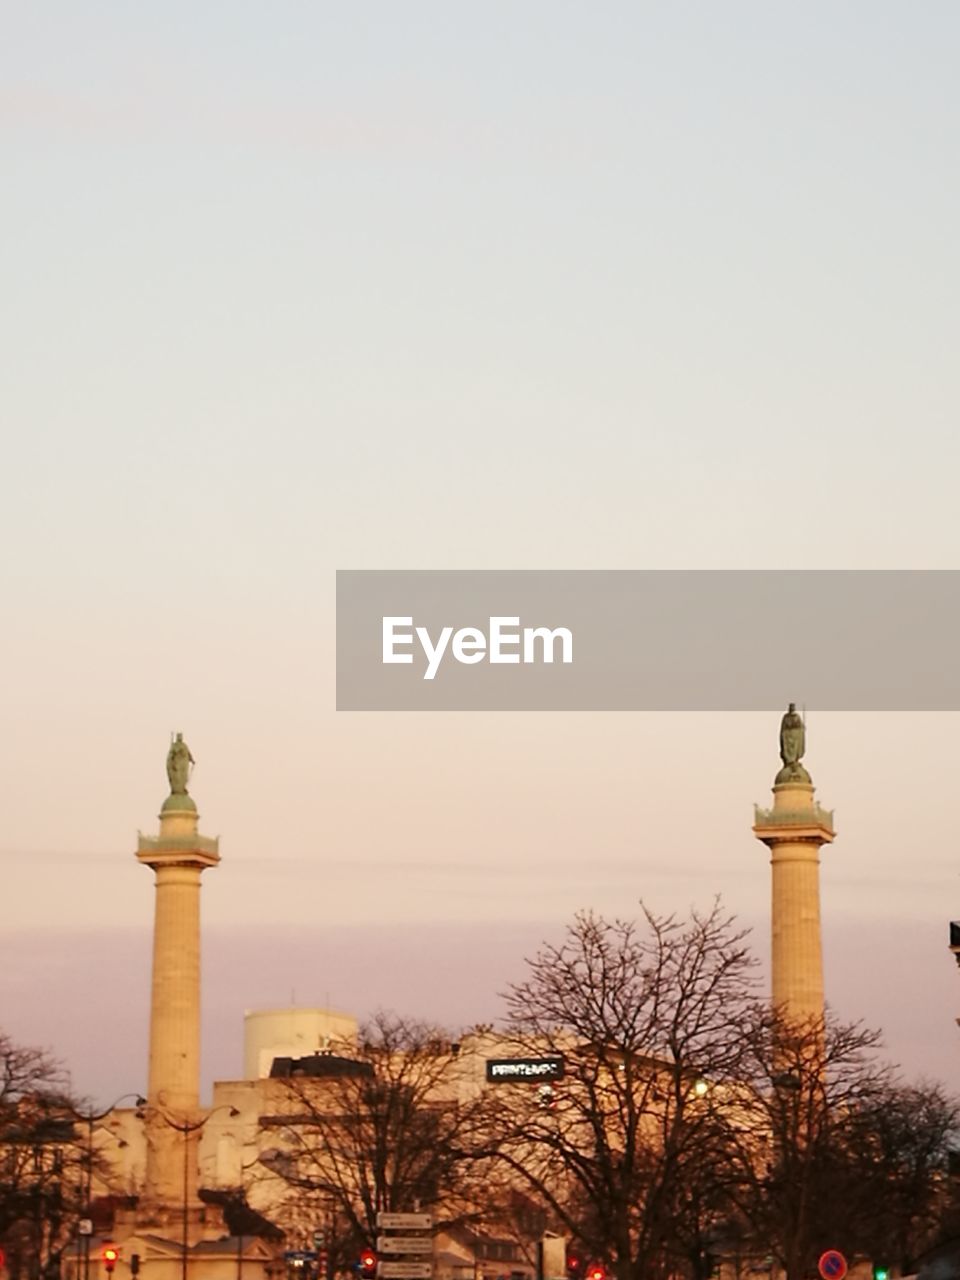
x,y
174,1080
178,857
796,959
794,831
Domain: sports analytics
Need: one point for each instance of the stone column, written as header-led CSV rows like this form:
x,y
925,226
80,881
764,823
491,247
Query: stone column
x,y
794,831
178,857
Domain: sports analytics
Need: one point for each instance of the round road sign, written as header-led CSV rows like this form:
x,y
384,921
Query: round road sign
x,y
832,1265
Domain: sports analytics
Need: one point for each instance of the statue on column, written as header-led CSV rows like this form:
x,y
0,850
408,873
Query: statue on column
x,y
793,744
179,764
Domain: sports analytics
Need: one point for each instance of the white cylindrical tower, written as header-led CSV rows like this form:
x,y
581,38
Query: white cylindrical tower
x,y
293,1033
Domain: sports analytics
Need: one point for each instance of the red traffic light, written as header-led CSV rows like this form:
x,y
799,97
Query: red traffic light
x,y
368,1264
110,1255
596,1271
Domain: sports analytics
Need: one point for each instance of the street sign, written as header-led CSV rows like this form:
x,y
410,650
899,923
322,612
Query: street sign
x,y
318,1239
85,1227
404,1244
405,1270
832,1265
405,1221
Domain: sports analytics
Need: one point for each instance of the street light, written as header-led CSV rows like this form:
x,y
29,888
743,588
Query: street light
x,y
188,1128
91,1118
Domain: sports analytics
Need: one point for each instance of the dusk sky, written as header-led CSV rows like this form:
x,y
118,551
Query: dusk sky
x,y
300,287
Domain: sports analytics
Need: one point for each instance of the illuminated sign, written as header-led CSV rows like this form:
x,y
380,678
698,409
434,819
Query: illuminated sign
x,y
510,1070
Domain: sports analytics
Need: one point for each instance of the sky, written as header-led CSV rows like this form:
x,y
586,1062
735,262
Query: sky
x,y
312,286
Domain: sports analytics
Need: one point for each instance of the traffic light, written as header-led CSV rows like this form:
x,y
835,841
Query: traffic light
x,y
368,1264
880,1272
110,1255
574,1264
134,1264
596,1271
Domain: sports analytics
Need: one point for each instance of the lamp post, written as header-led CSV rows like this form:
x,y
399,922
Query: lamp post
x,y
188,1128
91,1118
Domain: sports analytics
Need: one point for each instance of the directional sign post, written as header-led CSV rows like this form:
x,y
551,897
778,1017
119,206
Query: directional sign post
x,y
832,1265
404,1244
410,1236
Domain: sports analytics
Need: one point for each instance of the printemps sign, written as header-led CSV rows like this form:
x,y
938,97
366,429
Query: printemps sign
x,y
531,1070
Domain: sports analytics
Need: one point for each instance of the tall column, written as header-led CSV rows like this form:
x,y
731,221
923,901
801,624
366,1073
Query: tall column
x,y
178,856
794,831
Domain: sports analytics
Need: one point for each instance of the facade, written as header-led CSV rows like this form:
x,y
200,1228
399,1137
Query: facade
x,y
249,1143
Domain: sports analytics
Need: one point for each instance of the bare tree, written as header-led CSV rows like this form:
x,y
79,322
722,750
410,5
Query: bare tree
x,y
900,1193
830,1149
385,1129
41,1160
649,1019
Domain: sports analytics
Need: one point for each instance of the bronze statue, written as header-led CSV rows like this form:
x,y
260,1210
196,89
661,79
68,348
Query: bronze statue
x,y
793,743
792,736
179,763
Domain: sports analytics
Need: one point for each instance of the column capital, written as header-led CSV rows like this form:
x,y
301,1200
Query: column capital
x,y
178,851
